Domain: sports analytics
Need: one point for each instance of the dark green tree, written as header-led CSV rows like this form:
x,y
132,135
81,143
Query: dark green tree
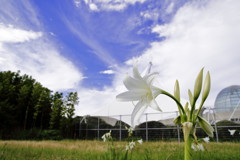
x,y
67,120
23,100
42,112
27,109
57,111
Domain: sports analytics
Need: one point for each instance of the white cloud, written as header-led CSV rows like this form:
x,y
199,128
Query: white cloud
x,y
93,7
107,72
170,8
110,5
39,59
77,3
198,36
11,34
89,40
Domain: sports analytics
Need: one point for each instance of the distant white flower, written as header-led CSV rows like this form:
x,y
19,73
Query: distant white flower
x,y
130,130
107,136
140,89
232,131
140,141
200,147
206,139
197,147
130,145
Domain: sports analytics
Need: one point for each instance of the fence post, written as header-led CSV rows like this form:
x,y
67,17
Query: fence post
x,y
120,128
215,125
146,127
98,129
178,129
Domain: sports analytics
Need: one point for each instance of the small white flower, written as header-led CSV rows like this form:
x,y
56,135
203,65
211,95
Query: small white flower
x,y
140,141
200,147
130,145
194,147
140,89
232,131
130,130
206,139
197,147
107,136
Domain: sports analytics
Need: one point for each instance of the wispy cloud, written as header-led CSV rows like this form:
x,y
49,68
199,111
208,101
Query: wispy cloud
x,y
87,38
32,52
107,72
198,36
13,35
108,5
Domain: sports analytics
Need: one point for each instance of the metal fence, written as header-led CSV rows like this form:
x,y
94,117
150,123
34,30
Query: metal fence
x,y
225,129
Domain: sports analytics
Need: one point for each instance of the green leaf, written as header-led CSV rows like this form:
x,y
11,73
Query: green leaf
x,y
177,91
198,85
205,126
177,120
186,108
206,87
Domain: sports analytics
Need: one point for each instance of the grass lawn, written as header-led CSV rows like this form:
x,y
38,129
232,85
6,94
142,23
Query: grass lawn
x,y
97,150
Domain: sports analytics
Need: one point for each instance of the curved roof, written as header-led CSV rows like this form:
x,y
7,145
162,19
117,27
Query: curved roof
x,y
228,99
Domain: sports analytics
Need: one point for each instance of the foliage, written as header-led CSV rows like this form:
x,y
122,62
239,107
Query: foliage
x,y
27,106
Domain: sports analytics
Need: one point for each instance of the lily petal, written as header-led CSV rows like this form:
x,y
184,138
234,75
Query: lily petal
x,y
131,83
155,91
154,105
136,73
130,96
137,112
150,77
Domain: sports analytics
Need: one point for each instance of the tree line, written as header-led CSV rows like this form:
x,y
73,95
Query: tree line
x,y
29,110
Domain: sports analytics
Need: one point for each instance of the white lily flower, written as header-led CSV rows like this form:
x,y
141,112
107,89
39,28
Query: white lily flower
x,y
206,139
231,131
140,89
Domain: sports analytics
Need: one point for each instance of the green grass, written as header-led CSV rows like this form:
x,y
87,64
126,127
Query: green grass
x,y
96,150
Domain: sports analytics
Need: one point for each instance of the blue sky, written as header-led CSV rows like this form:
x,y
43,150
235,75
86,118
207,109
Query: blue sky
x,y
90,45
99,40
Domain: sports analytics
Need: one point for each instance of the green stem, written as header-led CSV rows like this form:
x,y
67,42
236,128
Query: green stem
x,y
178,103
187,148
187,130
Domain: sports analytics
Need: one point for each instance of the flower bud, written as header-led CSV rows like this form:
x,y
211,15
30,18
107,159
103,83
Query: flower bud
x,y
207,86
177,91
205,126
190,97
198,85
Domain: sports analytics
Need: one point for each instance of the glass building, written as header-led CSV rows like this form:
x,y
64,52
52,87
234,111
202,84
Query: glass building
x,y
228,99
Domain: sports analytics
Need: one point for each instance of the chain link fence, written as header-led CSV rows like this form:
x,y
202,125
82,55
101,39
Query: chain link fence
x,y
225,124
